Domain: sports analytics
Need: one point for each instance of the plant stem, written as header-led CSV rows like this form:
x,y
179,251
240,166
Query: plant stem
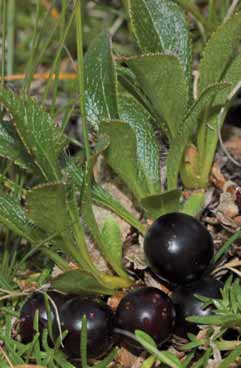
x,y
10,36
193,9
226,246
3,40
81,77
59,261
58,54
35,42
225,345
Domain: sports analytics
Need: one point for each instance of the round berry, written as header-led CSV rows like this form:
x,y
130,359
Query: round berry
x,y
147,309
99,326
37,302
187,304
178,248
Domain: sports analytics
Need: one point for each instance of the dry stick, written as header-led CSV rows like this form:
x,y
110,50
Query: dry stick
x,y
6,357
29,366
56,312
230,266
221,117
41,76
231,9
13,295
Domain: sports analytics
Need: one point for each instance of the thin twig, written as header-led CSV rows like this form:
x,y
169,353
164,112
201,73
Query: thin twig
x,y
230,265
116,25
41,76
6,357
56,312
231,9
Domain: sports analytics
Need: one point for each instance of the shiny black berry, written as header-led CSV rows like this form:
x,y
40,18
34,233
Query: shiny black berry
x,y
37,302
147,309
178,248
187,304
99,326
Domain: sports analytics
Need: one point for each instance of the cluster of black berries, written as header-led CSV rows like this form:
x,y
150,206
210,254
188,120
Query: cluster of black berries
x,y
179,249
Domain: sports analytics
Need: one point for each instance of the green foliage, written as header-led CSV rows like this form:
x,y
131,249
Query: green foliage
x,y
227,311
78,281
12,148
14,217
100,196
162,79
52,216
186,130
219,52
160,204
163,356
226,246
123,144
112,243
46,206
37,131
147,148
100,81
194,203
160,26
103,198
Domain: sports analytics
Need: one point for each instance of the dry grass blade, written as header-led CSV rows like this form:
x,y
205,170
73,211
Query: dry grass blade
x,y
29,366
41,76
5,356
230,266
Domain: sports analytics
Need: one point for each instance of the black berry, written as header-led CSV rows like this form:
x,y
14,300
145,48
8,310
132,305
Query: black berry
x,y
99,326
187,304
37,302
147,309
178,248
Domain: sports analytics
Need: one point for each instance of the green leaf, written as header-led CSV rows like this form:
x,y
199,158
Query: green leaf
x,y
112,244
148,154
101,197
163,356
37,130
184,134
232,74
160,26
162,79
121,155
235,354
203,361
14,217
160,204
87,210
220,52
227,320
89,219
149,362
101,82
12,148
106,362
144,337
83,342
46,206
128,81
194,205
226,246
78,282
49,207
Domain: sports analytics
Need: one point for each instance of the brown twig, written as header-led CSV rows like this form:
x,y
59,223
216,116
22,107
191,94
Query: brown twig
x,y
41,76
